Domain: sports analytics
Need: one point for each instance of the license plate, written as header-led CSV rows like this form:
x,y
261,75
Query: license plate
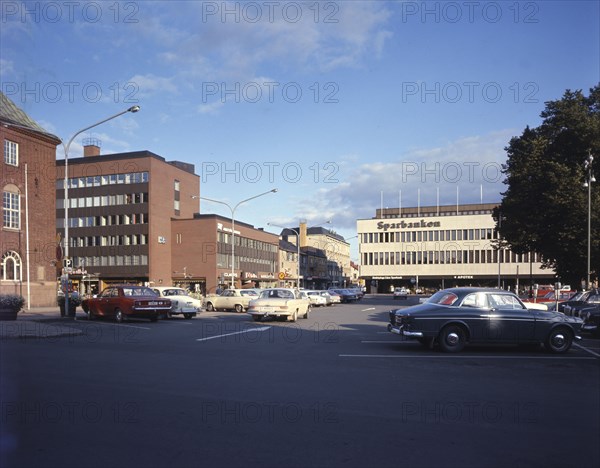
x,y
267,309
153,303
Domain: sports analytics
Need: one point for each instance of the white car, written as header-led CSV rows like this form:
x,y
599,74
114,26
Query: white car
x,y
316,299
230,299
399,292
281,303
181,302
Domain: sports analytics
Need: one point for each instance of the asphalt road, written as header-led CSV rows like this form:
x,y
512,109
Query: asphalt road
x,y
334,390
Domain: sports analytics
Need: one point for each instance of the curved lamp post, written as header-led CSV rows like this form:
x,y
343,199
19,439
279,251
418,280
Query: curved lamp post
x,y
66,147
232,209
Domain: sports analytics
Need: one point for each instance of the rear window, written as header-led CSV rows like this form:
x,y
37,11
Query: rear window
x,y
443,298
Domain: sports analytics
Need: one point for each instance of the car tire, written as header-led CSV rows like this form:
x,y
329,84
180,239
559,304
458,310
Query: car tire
x,y
256,318
210,307
188,316
559,340
452,338
239,308
294,316
90,315
307,314
119,317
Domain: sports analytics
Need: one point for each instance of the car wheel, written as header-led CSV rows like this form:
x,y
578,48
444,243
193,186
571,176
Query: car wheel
x,y
452,338
187,316
90,315
294,316
559,340
239,308
119,316
210,307
256,318
306,315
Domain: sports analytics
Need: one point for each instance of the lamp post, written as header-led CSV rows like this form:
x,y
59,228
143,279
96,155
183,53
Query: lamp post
x,y
297,245
588,183
66,147
233,224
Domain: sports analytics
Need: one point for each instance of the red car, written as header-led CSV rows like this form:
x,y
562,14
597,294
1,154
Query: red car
x,y
123,301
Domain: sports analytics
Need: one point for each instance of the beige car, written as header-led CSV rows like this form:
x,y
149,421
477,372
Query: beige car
x,y
230,299
281,303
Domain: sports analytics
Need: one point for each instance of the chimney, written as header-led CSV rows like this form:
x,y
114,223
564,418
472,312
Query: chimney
x,y
303,233
91,147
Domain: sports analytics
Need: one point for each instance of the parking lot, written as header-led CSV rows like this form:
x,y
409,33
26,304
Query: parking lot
x,y
336,389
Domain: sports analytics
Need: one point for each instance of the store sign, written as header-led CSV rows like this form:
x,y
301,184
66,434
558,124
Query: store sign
x,y
405,225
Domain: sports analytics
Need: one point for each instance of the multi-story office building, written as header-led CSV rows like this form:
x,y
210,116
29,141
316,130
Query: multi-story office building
x,y
441,247
120,208
28,237
202,254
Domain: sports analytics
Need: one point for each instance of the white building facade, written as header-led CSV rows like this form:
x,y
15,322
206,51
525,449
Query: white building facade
x,y
439,247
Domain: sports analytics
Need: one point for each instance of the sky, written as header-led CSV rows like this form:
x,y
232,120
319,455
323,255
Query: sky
x,y
343,106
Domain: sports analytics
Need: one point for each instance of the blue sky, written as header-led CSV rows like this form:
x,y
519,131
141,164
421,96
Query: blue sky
x,y
333,103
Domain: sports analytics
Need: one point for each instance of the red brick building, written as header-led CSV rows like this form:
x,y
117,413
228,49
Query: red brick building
x,y
28,233
202,253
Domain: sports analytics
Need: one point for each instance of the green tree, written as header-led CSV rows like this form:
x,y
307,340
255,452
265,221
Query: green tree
x,y
545,207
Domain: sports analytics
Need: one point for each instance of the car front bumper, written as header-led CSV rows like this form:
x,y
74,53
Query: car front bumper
x,y
402,332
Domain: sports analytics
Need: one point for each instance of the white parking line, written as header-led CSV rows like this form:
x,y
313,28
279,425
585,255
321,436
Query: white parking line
x,y
434,356
586,349
235,333
370,308
117,324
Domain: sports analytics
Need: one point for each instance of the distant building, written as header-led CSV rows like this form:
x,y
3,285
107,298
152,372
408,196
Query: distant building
x,y
438,247
120,208
202,254
28,241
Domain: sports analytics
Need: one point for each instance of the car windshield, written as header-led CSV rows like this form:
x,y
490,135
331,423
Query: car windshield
x,y
248,293
443,298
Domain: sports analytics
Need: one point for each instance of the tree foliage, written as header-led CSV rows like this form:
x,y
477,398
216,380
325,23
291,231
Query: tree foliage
x,y
545,207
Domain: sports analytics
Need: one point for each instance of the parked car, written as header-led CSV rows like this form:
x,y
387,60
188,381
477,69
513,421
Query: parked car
x,y
454,317
316,299
181,302
345,295
329,300
591,320
335,297
358,291
281,303
550,297
400,292
230,299
124,301
574,307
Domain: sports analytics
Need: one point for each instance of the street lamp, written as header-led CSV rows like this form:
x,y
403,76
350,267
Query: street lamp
x,y
66,147
297,245
233,224
588,183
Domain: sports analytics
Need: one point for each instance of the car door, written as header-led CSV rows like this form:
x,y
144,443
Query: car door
x,y
104,299
509,320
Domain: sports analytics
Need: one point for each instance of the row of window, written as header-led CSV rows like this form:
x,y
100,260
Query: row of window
x,y
104,200
105,241
99,180
425,236
246,263
11,153
437,257
225,238
109,220
111,260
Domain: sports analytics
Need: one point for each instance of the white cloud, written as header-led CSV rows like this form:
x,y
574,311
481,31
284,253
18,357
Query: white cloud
x,y
468,164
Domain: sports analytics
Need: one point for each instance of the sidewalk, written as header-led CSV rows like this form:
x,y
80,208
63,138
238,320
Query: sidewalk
x,y
40,322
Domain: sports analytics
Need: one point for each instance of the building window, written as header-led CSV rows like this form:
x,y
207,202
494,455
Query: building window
x,y
11,153
11,267
11,210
